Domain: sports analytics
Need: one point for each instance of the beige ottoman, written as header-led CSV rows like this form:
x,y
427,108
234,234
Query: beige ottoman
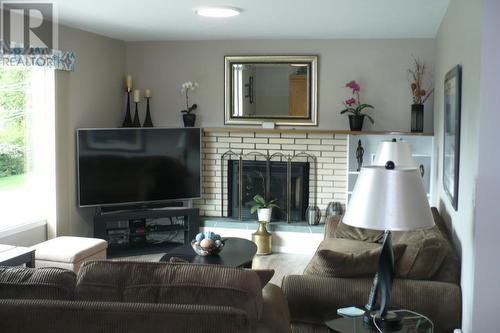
x,y
69,252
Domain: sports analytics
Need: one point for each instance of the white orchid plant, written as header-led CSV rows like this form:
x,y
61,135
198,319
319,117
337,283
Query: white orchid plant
x,y
185,89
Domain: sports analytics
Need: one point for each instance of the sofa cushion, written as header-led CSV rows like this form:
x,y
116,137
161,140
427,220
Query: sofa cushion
x,y
337,257
176,283
348,232
424,254
265,275
36,283
450,268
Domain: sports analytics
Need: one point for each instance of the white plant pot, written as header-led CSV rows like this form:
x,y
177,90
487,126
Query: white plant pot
x,y
264,214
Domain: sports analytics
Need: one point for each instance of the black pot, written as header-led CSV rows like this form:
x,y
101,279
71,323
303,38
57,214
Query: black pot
x,y
189,119
417,118
356,122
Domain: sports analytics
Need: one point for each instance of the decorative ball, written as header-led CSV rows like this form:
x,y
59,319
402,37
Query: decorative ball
x,y
218,242
210,235
199,237
217,237
207,243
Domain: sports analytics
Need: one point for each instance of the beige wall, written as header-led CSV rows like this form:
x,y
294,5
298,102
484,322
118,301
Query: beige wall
x,y
91,96
379,65
487,211
459,43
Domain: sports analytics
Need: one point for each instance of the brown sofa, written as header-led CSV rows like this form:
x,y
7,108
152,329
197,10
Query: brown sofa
x,y
426,280
118,296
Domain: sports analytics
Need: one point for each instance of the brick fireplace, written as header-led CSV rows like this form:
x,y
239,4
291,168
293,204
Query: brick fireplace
x,y
329,148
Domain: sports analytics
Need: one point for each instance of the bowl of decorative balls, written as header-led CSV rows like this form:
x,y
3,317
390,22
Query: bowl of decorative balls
x,y
207,243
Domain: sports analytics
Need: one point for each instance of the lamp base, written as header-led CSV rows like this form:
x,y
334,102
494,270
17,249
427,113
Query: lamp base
x,y
391,322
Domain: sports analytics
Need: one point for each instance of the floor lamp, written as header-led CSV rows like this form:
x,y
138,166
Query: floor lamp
x,y
388,198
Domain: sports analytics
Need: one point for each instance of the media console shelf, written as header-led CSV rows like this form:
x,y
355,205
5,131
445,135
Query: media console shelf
x,y
144,231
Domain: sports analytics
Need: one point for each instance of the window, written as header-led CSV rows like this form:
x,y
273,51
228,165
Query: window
x,y
26,145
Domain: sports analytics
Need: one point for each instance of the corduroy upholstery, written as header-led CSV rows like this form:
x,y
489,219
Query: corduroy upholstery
x,y
179,283
348,258
314,298
43,316
142,297
36,283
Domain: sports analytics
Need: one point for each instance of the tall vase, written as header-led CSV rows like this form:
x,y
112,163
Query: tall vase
x,y
147,121
417,118
127,122
137,122
263,239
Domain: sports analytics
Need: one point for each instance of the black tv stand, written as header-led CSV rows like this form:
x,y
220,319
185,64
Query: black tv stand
x,y
143,231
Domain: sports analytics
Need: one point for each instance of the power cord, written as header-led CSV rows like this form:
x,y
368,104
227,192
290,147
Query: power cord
x,y
375,324
418,315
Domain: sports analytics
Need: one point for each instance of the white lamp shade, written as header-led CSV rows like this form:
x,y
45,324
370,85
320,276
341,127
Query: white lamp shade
x,y
396,151
389,200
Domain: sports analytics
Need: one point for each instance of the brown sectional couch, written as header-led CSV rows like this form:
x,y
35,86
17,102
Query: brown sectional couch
x,y
118,296
427,279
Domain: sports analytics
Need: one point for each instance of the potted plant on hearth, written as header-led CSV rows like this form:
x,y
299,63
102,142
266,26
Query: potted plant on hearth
x,y
188,116
263,208
419,94
354,107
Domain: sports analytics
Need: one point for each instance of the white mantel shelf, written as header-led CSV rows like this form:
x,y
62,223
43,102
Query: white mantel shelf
x,y
307,130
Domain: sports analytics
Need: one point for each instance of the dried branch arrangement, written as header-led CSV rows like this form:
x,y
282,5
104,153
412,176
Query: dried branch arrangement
x,y
416,76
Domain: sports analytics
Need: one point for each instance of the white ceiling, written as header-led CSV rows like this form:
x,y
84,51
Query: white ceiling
x,y
147,20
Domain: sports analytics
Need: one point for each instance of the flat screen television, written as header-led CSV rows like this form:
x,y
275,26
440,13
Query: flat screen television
x,y
137,166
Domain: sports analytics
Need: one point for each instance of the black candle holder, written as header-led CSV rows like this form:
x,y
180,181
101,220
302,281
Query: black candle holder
x,y
147,121
127,122
137,122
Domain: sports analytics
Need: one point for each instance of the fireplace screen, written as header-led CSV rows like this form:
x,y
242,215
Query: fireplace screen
x,y
254,182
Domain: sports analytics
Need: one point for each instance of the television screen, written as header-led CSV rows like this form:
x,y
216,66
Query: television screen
x,y
137,165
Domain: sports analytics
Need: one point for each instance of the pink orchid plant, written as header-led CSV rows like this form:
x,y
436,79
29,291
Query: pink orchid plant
x,y
353,104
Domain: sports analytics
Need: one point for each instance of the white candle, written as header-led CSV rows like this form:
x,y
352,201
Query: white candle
x,y
137,95
129,82
147,93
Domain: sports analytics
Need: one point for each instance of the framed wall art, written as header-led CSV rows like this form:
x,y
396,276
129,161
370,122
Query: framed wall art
x,y
451,139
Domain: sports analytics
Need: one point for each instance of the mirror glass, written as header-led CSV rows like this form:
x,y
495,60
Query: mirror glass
x,y
271,88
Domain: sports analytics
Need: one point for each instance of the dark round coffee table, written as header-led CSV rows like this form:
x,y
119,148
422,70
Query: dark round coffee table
x,y
237,252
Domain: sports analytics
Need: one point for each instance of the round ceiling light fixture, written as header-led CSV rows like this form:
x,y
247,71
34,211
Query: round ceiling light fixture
x,y
218,12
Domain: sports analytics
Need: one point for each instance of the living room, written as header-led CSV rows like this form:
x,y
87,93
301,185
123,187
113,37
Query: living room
x,y
426,72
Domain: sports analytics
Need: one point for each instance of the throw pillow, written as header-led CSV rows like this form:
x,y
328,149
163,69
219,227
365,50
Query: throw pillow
x,y
36,283
366,235
178,260
337,257
425,252
265,275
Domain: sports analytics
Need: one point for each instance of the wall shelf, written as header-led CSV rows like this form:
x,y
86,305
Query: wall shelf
x,y
420,146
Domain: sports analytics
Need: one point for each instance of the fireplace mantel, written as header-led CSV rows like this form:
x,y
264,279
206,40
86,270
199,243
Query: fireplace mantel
x,y
306,130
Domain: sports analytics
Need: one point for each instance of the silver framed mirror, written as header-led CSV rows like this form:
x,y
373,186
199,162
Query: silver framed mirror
x,y
278,89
